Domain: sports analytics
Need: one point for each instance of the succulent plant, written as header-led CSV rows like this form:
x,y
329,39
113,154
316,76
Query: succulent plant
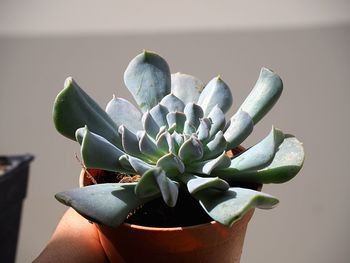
x,y
177,139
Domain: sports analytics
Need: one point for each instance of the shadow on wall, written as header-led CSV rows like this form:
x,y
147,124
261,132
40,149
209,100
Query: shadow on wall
x,y
313,63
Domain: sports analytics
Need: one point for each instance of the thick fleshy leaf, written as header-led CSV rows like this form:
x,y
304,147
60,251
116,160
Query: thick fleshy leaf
x,y
215,147
229,206
241,125
193,113
206,167
150,125
171,164
130,142
218,121
148,79
191,150
186,87
216,92
189,128
139,166
196,183
166,143
99,153
204,128
156,178
149,148
178,140
172,103
286,163
74,108
122,112
159,113
264,95
103,203
177,118
260,155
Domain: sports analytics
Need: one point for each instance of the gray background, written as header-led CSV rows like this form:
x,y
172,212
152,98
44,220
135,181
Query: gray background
x,y
311,222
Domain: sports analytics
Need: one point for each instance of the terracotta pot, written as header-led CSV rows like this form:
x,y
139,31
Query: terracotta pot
x,y
209,243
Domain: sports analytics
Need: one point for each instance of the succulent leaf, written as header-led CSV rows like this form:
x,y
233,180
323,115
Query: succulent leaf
x,y
204,128
150,125
241,125
178,140
215,147
193,113
286,163
171,164
216,92
159,113
148,79
189,128
122,112
156,179
218,121
186,87
99,153
74,108
264,95
206,167
195,183
229,206
172,103
260,155
191,150
130,142
149,148
177,118
166,143
103,203
139,165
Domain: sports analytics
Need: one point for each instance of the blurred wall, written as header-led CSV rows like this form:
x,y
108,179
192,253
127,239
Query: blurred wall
x,y
311,222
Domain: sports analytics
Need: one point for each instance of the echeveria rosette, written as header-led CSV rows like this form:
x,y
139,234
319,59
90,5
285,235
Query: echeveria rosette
x,y
177,139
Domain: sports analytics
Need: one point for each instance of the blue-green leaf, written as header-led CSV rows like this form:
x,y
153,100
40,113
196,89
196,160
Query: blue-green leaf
x,y
193,114
130,142
264,95
260,155
156,179
122,112
191,150
229,206
177,118
196,183
218,121
159,113
215,147
171,164
186,87
73,109
189,128
139,165
149,148
99,153
150,125
166,143
148,79
241,125
108,204
286,163
172,103
216,92
206,167
204,128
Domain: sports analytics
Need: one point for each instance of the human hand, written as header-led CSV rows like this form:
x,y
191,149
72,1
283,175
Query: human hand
x,y
74,240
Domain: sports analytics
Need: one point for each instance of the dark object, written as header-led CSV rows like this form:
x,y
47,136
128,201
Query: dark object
x,y
14,171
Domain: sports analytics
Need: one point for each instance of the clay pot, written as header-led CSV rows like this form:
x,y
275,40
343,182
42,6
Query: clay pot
x,y
209,243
